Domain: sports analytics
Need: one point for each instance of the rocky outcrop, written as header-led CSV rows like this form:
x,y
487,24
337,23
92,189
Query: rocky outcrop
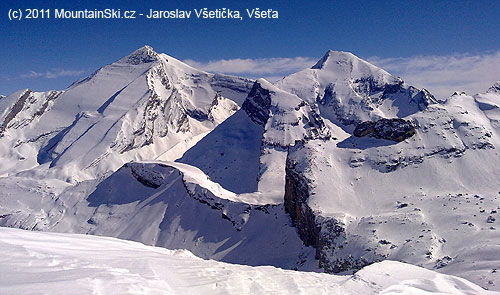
x,y
29,106
146,175
422,98
369,86
257,104
391,129
495,88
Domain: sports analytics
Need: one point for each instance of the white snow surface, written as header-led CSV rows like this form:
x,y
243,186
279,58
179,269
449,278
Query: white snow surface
x,y
49,263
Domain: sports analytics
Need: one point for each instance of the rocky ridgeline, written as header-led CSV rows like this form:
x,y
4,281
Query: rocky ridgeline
x,y
391,129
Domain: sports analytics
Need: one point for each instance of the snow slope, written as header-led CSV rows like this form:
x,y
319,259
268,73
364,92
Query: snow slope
x,y
165,204
77,264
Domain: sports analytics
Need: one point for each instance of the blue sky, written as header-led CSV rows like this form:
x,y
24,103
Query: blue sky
x,y
50,54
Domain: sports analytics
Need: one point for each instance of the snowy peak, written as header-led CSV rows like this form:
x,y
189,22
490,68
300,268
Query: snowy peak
x,y
495,88
345,66
145,54
350,90
332,56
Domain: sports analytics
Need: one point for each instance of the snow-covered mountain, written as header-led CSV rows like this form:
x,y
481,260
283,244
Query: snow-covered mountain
x,y
375,194
330,169
247,152
143,106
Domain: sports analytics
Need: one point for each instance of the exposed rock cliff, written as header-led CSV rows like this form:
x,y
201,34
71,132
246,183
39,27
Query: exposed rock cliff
x,y
326,234
391,129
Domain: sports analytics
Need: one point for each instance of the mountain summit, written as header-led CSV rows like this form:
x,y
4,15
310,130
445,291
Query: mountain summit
x,y
145,54
350,90
346,64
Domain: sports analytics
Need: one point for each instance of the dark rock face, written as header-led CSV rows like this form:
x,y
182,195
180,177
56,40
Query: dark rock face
x,y
197,114
257,104
317,128
332,238
391,129
495,88
147,177
422,98
296,195
325,234
368,86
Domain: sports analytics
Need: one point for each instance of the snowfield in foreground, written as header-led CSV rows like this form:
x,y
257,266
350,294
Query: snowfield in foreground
x,y
50,263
